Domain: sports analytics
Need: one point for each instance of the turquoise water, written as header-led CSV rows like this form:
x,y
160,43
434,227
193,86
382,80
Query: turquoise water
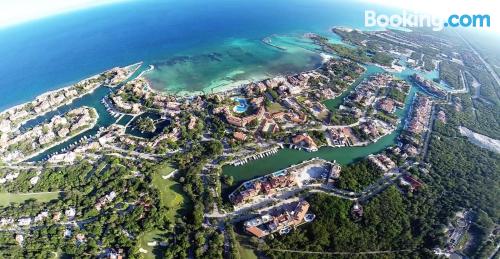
x,y
178,36
194,46
235,62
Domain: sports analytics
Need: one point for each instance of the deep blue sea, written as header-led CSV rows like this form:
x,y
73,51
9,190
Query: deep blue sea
x,y
54,52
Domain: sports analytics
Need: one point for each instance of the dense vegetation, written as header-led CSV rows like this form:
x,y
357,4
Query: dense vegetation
x,y
145,124
357,176
456,175
450,73
464,176
385,219
82,186
358,54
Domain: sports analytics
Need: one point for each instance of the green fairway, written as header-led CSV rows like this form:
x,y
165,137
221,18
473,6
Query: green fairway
x,y
151,251
7,198
171,194
172,197
246,252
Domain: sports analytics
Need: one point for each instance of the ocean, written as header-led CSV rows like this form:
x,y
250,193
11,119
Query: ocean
x,y
194,45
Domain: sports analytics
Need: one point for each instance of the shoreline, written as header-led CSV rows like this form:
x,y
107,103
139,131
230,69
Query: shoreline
x,y
224,88
68,87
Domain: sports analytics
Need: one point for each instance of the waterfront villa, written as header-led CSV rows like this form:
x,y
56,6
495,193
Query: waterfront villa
x,y
313,172
383,162
305,141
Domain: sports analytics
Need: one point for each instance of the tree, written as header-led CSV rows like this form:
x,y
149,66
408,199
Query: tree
x,y
227,179
146,125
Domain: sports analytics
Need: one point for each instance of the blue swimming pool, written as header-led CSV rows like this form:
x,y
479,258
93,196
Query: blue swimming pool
x,y
242,105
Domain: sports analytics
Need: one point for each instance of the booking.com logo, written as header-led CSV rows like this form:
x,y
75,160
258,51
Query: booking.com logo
x,y
409,19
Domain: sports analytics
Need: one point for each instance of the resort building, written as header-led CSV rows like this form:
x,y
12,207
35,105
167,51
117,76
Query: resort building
x,y
387,105
342,137
313,172
281,221
428,85
268,126
421,111
267,184
240,121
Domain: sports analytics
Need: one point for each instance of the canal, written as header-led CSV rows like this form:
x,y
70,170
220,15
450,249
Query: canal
x,y
342,155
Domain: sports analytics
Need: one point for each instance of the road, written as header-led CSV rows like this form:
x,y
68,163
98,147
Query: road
x,y
344,253
464,88
135,153
429,132
327,127
488,67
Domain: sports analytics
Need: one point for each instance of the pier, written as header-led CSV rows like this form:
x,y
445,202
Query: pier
x,y
249,158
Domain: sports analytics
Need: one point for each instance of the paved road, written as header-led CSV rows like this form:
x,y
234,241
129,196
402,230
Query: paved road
x,y
492,255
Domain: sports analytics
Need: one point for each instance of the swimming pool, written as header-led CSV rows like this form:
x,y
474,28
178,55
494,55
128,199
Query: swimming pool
x,y
242,105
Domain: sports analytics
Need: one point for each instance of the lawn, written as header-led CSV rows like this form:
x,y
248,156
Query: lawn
x,y
7,198
274,107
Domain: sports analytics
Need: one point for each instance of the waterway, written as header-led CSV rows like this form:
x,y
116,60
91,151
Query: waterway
x,y
91,100
282,159
160,124
222,47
